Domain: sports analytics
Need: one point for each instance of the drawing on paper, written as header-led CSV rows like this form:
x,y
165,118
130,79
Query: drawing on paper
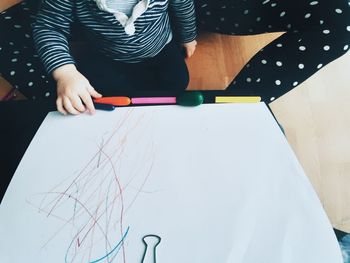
x,y
93,202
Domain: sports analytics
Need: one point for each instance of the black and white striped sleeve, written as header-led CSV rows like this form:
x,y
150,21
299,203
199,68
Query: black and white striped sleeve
x,y
184,19
51,30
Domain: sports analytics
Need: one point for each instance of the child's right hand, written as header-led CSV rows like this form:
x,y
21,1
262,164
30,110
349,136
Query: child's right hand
x,y
73,91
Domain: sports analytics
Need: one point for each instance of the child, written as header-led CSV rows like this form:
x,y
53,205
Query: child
x,y
132,46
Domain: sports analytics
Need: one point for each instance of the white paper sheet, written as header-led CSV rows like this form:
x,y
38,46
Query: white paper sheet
x,y
217,183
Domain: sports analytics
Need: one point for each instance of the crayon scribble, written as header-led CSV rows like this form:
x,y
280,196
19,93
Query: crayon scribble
x,y
98,196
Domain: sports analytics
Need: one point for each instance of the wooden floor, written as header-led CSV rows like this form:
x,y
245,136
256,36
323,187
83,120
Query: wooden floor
x,y
4,4
315,115
218,59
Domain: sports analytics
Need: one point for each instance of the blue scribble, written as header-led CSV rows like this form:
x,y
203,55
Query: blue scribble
x,y
117,247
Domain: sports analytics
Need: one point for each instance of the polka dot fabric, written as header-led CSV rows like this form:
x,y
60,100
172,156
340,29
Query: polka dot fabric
x,y
316,33
20,64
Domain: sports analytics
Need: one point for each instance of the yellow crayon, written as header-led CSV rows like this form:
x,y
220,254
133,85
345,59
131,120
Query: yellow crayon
x,y
237,99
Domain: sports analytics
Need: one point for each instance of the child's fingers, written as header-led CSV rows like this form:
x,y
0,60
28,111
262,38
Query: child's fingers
x,y
59,106
189,52
77,104
69,107
193,50
190,48
93,93
86,98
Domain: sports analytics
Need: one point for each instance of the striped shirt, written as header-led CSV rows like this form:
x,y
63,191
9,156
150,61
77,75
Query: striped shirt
x,y
108,32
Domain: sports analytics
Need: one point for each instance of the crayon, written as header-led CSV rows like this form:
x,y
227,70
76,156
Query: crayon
x,y
237,99
116,101
188,98
153,100
103,106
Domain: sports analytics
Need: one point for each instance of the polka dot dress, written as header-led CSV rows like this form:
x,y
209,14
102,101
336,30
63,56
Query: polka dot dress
x,y
317,32
20,65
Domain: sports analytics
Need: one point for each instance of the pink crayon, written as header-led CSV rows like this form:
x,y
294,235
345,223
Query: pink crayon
x,y
154,100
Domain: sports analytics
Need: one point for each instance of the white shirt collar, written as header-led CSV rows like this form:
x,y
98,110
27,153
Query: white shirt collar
x,y
123,19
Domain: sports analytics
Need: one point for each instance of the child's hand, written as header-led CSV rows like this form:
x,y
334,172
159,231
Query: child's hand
x,y
73,89
189,47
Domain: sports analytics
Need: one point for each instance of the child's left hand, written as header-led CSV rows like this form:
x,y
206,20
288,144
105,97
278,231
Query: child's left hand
x,y
189,47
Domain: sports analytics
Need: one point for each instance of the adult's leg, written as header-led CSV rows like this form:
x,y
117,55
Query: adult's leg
x,y
317,32
20,64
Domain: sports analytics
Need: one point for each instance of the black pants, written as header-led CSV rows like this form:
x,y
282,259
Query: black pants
x,y
166,71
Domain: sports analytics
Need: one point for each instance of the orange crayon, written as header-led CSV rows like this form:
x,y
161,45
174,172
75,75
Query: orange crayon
x,y
116,101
